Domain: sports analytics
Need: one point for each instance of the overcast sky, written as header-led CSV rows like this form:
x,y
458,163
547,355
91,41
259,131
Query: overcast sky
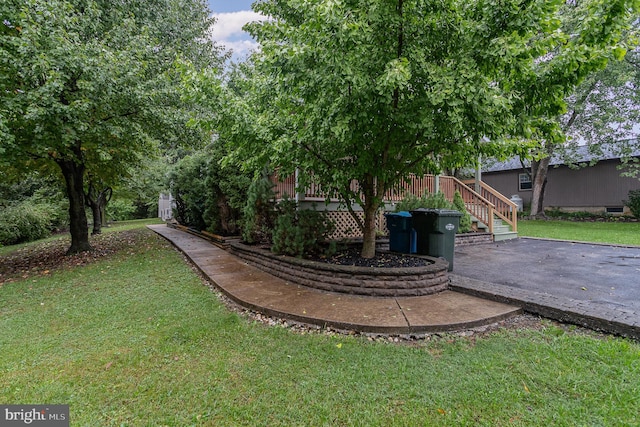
x,y
230,16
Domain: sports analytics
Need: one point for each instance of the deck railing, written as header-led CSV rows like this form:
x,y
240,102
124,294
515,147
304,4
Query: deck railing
x,y
484,205
476,204
416,185
284,186
314,192
505,209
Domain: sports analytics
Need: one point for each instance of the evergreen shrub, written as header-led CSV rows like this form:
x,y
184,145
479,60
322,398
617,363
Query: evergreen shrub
x,y
121,210
259,212
301,232
465,219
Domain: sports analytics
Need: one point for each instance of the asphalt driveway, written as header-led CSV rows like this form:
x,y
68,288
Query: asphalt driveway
x,y
599,276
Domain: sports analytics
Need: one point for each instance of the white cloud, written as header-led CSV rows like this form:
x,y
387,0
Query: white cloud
x,y
228,32
240,47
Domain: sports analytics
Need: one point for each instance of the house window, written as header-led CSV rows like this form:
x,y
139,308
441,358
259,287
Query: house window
x,y
524,182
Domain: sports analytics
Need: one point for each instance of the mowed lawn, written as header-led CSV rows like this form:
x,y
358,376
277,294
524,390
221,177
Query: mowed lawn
x,y
620,233
136,339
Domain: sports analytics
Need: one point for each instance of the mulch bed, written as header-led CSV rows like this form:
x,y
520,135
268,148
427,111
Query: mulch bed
x,y
383,259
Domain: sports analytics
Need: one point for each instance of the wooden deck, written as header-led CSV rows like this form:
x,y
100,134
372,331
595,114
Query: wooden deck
x,y
486,206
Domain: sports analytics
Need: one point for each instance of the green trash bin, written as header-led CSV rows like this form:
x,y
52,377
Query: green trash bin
x,y
436,232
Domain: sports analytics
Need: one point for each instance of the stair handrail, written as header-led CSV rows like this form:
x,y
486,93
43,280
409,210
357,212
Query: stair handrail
x,y
477,205
506,210
485,205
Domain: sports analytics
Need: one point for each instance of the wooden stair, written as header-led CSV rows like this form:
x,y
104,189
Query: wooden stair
x,y
491,211
500,231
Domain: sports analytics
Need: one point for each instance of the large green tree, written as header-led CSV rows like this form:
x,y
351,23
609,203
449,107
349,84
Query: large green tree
x,y
602,111
91,86
369,91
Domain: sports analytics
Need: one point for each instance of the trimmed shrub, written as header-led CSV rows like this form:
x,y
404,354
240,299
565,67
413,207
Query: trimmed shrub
x,y
428,201
301,232
438,201
259,212
465,219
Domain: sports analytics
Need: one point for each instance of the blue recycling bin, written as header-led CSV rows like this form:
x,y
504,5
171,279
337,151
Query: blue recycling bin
x,y
402,236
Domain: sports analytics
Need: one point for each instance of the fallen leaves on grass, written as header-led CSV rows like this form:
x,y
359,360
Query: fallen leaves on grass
x,y
43,258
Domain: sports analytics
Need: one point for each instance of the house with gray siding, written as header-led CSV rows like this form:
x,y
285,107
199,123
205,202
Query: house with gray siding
x,y
595,188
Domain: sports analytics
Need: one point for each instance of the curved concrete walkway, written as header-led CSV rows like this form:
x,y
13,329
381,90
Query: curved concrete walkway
x,y
254,289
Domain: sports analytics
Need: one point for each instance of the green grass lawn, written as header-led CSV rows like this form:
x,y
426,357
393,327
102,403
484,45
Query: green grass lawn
x,y
620,233
136,339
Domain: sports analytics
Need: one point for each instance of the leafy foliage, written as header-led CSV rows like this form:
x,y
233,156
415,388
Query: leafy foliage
x,y
601,110
142,187
30,209
299,232
188,187
92,87
634,203
209,195
121,210
28,221
427,200
371,91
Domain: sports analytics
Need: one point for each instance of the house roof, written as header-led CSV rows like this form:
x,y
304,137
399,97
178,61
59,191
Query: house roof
x,y
581,154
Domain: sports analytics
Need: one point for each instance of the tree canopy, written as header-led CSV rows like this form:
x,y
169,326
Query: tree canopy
x,y
601,111
92,85
374,90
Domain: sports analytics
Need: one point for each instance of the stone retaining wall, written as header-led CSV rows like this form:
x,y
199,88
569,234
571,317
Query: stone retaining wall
x,y
388,282
469,239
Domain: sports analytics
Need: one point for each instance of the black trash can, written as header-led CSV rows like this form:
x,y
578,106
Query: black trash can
x,y
436,232
401,233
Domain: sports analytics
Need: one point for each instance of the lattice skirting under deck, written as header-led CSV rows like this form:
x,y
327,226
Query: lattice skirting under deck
x,y
346,226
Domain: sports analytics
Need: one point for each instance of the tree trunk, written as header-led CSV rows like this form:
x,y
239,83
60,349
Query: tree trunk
x,y
103,212
97,201
97,219
369,231
103,200
539,182
372,192
73,175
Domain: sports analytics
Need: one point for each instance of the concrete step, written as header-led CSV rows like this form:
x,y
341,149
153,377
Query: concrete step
x,y
497,229
508,235
501,231
480,226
